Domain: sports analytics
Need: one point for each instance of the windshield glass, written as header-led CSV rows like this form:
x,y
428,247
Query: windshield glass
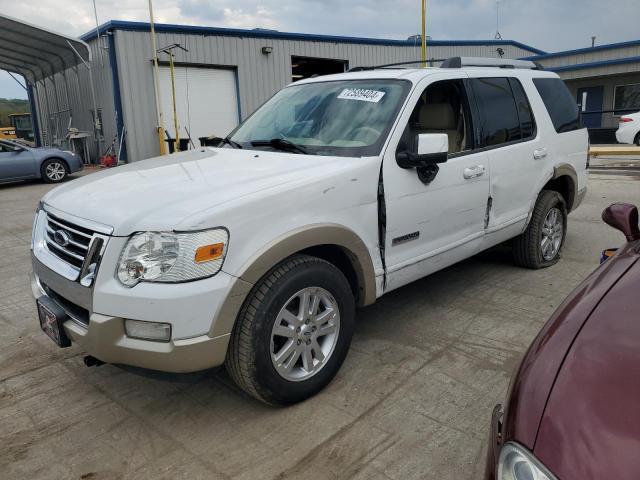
x,y
345,118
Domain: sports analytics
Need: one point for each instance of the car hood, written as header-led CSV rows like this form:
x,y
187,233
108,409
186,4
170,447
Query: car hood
x,y
160,193
591,425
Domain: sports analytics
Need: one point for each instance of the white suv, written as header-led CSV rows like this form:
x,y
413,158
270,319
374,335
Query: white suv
x,y
336,191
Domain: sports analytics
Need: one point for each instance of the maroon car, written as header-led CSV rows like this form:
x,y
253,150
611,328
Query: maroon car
x,y
573,406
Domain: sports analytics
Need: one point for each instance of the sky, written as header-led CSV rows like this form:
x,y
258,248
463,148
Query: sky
x,y
550,25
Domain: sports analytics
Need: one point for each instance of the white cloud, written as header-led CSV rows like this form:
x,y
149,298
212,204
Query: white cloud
x,y
548,24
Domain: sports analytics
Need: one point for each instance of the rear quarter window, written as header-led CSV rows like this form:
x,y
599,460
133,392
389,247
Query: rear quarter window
x,y
561,106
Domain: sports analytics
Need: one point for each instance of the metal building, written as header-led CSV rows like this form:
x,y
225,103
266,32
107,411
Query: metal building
x,y
604,79
224,76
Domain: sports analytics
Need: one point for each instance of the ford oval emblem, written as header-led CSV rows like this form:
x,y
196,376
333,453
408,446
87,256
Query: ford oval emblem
x,y
61,237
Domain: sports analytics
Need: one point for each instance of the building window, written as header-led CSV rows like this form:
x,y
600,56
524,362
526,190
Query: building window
x,y
626,99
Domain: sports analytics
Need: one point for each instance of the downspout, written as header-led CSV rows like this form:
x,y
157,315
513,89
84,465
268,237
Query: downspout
x,y
117,99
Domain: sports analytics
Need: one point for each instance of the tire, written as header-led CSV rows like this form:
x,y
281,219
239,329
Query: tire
x,y
54,170
528,247
637,140
254,341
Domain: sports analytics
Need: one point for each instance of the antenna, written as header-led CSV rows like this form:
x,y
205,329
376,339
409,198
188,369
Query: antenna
x,y
498,36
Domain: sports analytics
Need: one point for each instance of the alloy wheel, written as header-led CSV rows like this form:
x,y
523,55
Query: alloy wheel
x,y
305,334
55,171
552,232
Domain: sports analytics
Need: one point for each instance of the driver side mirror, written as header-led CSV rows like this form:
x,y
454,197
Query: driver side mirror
x,y
17,149
432,149
623,217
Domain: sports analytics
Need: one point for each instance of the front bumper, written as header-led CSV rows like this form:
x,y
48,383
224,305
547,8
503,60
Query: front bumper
x,y
495,443
103,336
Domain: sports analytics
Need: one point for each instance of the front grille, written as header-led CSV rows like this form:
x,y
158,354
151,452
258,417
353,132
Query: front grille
x,y
67,241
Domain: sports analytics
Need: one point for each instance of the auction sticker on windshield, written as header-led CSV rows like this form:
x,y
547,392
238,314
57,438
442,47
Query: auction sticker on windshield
x,y
361,94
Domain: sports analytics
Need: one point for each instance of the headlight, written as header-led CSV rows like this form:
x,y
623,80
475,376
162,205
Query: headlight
x,y
172,257
518,464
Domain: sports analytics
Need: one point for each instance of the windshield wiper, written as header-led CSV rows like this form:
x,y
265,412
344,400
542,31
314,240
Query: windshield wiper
x,y
231,143
280,144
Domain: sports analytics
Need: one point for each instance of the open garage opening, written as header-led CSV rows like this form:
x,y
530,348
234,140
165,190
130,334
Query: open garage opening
x,y
306,67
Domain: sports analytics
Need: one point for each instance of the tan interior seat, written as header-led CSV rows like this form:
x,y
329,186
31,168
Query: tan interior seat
x,y
441,118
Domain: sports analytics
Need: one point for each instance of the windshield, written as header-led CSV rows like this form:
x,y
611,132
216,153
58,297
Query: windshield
x,y
345,118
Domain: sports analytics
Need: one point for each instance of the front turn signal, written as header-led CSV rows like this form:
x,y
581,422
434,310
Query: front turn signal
x,y
207,253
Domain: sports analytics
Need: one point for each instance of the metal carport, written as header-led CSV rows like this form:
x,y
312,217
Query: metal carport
x,y
40,55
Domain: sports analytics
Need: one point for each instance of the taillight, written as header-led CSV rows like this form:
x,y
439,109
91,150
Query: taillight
x,y
625,119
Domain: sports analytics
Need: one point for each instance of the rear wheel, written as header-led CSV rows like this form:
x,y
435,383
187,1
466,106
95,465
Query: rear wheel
x,y
637,140
540,245
53,170
293,332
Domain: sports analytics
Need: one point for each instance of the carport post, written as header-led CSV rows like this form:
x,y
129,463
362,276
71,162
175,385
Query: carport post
x,y
93,100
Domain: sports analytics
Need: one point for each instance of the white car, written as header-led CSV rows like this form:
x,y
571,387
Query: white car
x,y
629,129
338,190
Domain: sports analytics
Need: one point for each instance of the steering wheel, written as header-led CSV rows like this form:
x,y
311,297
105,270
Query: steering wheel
x,y
369,134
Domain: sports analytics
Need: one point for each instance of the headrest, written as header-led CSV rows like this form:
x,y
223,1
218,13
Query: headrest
x,y
437,116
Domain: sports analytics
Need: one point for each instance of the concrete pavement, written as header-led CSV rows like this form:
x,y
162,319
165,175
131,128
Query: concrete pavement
x,y
412,401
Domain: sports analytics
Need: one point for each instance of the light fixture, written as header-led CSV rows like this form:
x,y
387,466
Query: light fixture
x,y
267,50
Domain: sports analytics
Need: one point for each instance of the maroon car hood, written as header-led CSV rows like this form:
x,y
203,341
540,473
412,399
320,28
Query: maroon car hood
x,y
591,424
537,372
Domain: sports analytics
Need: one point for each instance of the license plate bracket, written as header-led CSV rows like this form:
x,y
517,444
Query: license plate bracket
x,y
52,318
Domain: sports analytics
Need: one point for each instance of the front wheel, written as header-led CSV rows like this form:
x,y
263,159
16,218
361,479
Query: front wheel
x,y
540,245
293,332
53,170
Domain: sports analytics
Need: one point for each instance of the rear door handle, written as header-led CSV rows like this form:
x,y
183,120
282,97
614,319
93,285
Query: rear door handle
x,y
473,172
539,154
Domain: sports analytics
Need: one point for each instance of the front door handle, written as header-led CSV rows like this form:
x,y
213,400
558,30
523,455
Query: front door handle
x,y
539,154
473,172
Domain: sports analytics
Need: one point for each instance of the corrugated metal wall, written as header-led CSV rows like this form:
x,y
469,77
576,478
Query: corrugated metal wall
x,y
259,75
65,100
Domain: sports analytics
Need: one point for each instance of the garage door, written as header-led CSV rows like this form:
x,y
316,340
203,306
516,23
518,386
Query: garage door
x,y
206,101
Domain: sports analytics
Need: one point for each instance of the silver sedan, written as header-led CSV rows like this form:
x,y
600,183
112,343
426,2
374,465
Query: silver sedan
x,y
20,162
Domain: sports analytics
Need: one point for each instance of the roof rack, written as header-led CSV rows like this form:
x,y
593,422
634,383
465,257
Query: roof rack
x,y
398,64
459,62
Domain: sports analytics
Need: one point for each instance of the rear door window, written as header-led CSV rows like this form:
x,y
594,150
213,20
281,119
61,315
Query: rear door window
x,y
499,118
561,106
527,120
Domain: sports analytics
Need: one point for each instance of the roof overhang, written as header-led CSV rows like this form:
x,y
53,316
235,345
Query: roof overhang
x,y
37,53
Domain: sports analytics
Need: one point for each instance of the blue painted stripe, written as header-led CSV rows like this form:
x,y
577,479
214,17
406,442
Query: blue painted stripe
x,y
602,63
272,34
599,48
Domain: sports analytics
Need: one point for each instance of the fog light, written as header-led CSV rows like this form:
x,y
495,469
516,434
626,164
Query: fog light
x,y
158,332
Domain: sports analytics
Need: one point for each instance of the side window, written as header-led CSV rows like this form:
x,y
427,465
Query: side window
x,y
527,120
498,112
561,106
442,108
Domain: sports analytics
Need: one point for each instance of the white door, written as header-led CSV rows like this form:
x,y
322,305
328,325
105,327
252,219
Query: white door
x,y
517,155
431,226
206,101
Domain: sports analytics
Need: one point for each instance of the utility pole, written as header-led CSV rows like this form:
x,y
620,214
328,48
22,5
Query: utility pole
x,y
423,36
156,84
